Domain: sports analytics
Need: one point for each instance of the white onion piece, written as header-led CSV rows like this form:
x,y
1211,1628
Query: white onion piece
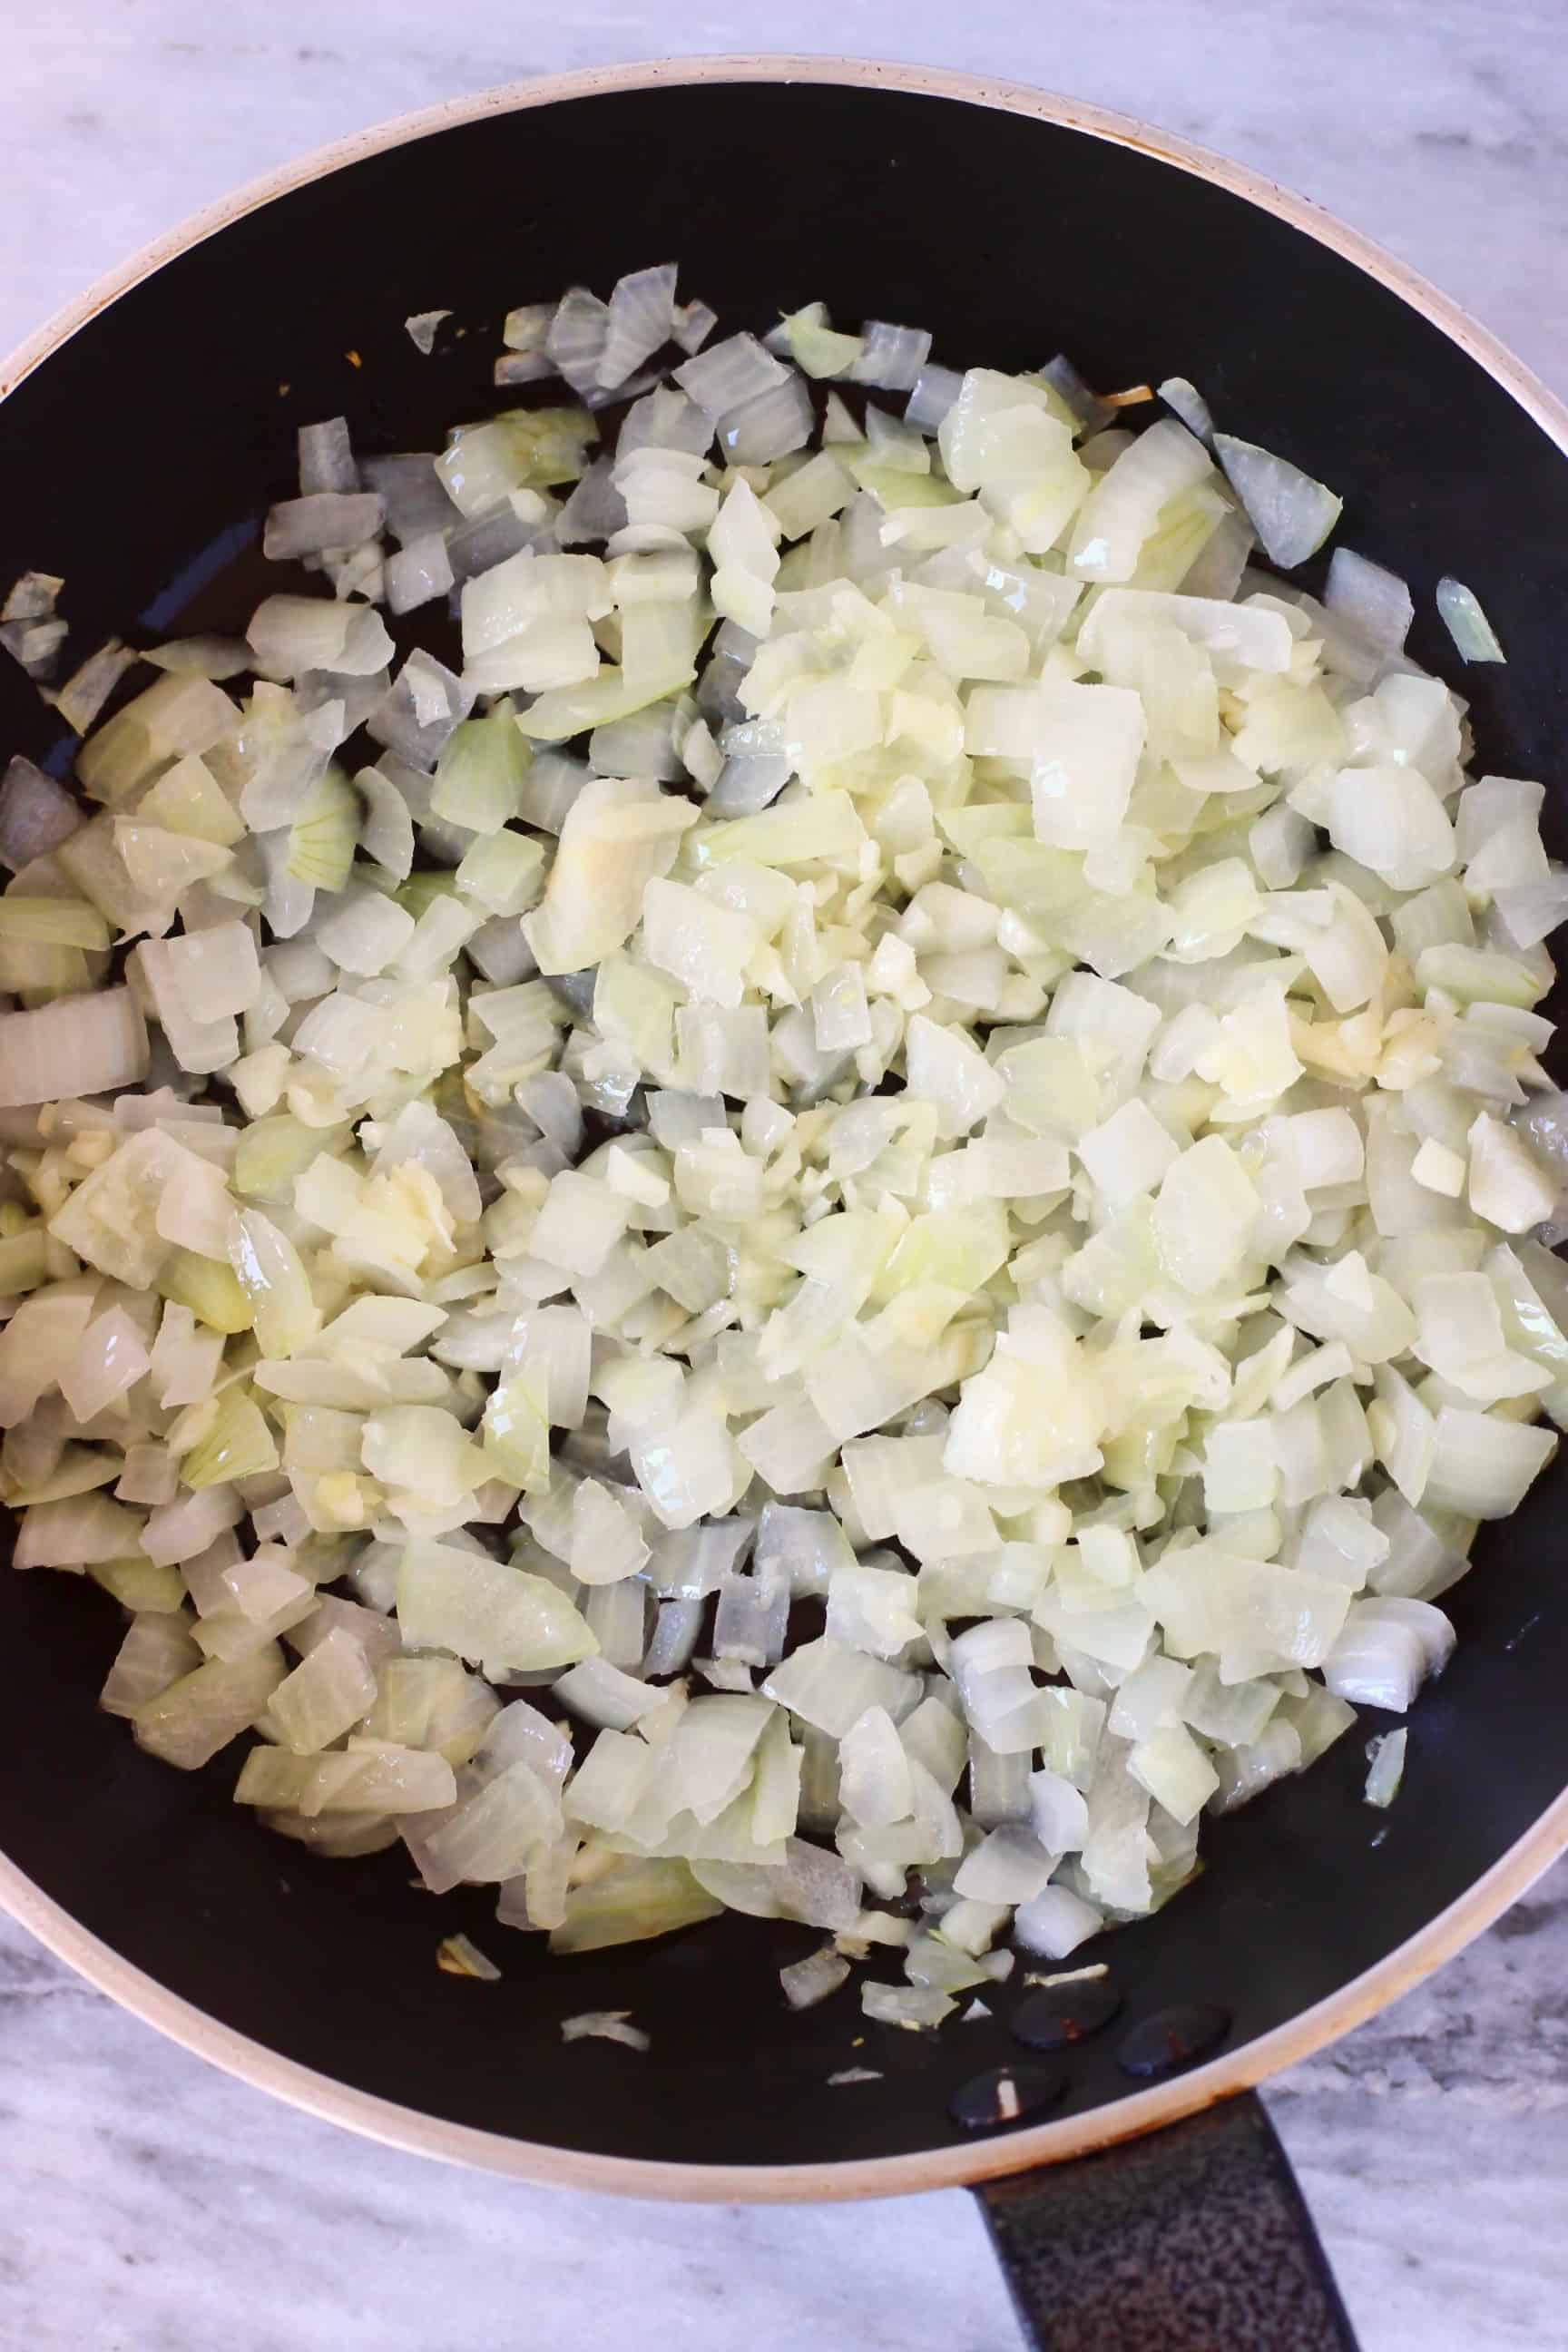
x,y
421,329
1123,506
1255,639
1291,513
525,329
35,645
1474,638
1189,405
1385,1757
417,572
1092,412
290,633
327,459
84,692
726,374
1056,1922
641,319
575,340
202,657
31,596
595,508
812,1885
1482,1467
806,1982
932,396
775,421
666,419
327,518
1385,1651
1374,603
891,358
413,494
35,814
918,2008
100,1041
694,322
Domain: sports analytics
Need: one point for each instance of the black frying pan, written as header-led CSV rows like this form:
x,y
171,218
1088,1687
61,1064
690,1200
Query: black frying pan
x,y
142,439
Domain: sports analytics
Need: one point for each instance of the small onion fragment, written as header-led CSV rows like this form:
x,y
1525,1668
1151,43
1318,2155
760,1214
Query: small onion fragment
x,y
421,328
1385,1758
605,2025
1474,638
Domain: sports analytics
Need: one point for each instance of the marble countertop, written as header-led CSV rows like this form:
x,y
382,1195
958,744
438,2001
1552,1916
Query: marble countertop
x,y
136,2185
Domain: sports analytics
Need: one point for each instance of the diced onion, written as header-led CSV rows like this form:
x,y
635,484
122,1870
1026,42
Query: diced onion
x,y
1385,1756
422,329
896,1156
1374,603
1474,638
1291,513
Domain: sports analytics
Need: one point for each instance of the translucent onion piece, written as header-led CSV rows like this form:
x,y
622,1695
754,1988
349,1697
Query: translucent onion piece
x,y
1474,638
775,421
806,1982
641,319
421,328
728,373
1385,1756
1092,412
31,596
101,1041
1189,405
932,396
35,814
1374,603
891,357
1290,512
576,338
327,518
84,692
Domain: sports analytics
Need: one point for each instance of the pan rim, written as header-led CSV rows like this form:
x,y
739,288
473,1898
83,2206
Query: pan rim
x,y
408,2128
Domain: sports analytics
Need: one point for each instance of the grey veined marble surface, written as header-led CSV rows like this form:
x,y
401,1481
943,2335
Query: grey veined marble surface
x,y
148,2204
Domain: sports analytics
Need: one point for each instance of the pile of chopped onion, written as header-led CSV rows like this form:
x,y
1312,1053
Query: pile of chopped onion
x,y
841,1224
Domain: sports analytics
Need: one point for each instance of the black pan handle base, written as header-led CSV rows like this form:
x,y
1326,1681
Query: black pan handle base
x,y
1194,2239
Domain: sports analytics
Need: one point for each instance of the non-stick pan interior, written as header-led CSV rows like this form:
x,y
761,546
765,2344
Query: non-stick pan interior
x,y
137,461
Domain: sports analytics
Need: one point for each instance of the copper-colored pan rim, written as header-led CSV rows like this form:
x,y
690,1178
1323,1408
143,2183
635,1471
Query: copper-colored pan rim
x,y
424,2135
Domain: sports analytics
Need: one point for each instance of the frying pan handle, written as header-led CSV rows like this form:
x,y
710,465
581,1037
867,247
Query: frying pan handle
x,y
1194,2239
